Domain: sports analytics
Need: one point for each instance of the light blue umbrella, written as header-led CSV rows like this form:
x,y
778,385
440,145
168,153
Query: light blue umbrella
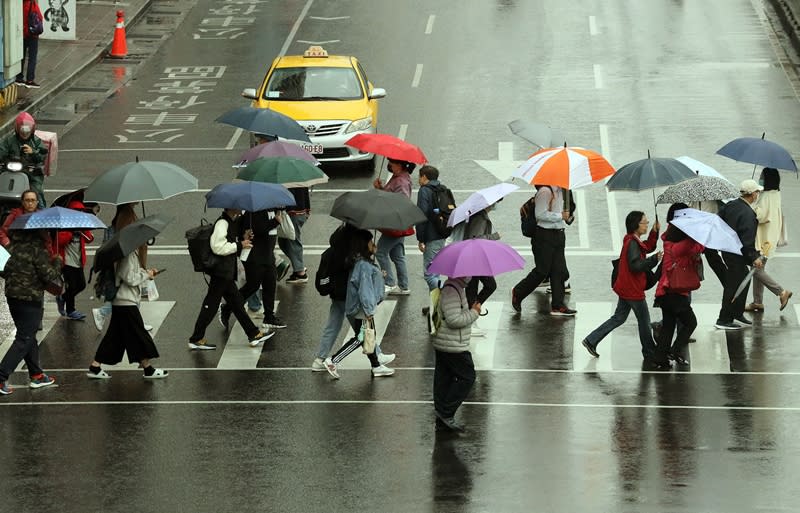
x,y
702,169
57,218
249,196
479,200
707,229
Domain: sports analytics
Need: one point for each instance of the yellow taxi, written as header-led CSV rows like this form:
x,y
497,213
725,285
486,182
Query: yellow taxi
x,y
329,95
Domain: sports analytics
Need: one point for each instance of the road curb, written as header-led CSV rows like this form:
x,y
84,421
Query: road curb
x,y
92,58
788,12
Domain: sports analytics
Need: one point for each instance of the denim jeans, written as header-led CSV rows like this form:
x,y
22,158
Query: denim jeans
x,y
393,248
294,248
27,316
431,249
624,307
332,328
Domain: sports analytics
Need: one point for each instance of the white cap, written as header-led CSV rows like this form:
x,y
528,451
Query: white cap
x,y
749,187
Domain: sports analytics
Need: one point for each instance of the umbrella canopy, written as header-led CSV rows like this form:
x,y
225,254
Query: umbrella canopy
x,y
476,257
277,149
387,146
760,152
288,171
264,121
57,218
249,196
125,241
140,181
537,133
566,167
479,200
373,209
649,173
707,229
702,188
701,169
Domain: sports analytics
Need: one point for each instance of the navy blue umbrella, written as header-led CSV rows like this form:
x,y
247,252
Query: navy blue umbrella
x,y
249,196
760,152
57,218
264,121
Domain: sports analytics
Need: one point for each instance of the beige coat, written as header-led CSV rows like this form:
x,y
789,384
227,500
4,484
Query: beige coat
x,y
770,220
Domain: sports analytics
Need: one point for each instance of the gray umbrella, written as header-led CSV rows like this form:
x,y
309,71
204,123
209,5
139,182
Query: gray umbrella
x,y
649,173
759,152
702,188
140,181
264,121
537,133
373,209
125,241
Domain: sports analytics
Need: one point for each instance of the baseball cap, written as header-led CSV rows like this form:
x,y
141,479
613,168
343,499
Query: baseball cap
x,y
749,186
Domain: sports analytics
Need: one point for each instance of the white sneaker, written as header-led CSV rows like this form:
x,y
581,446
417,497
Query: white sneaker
x,y
397,291
99,319
385,358
381,371
388,290
318,365
148,327
331,368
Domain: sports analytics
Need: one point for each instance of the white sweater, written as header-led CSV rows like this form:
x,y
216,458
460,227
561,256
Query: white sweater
x,y
130,277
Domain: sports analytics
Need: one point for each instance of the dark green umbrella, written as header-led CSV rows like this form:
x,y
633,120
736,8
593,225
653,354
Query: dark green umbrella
x,y
140,181
376,209
125,241
287,171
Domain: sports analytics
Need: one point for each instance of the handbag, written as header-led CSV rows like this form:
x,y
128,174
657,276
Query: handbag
x,y
150,291
682,276
286,227
783,240
367,336
55,287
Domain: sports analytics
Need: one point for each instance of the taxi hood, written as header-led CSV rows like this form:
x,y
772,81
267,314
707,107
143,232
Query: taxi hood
x,y
317,110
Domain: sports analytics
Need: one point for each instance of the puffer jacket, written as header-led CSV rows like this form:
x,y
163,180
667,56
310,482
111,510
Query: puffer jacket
x,y
130,278
30,268
457,318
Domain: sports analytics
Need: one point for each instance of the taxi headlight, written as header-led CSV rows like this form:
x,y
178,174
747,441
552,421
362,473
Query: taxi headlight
x,y
358,125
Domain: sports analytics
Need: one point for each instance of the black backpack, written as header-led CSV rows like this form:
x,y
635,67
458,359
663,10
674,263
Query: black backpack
x,y
527,218
199,239
443,204
35,23
323,280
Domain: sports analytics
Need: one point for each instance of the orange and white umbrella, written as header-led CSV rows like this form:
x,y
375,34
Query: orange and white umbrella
x,y
566,167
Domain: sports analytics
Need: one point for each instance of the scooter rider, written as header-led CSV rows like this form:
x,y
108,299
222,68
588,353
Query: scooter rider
x,y
29,150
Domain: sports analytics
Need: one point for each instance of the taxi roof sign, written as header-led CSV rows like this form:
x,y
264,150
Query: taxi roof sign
x,y
315,51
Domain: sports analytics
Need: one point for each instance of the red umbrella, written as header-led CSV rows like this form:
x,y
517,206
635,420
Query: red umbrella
x,y
388,146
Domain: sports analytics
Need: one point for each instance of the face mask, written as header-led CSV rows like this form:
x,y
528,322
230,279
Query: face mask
x,y
25,131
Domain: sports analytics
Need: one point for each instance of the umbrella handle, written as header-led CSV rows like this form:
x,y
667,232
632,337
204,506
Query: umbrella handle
x,y
655,205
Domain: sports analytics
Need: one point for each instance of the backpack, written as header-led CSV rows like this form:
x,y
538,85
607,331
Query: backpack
x,y
527,216
105,284
437,316
199,240
35,23
323,281
443,205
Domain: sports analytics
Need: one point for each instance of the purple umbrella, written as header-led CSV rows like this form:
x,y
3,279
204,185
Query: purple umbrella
x,y
476,257
277,149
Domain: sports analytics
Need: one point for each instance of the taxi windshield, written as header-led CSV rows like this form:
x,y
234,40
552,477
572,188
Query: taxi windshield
x,y
317,83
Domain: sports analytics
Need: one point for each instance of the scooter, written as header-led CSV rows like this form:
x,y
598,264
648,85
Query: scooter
x,y
13,182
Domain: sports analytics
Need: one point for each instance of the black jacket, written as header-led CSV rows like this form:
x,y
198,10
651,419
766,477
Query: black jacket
x,y
340,241
740,216
263,243
302,200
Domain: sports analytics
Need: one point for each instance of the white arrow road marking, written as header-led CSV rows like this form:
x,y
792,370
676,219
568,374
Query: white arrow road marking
x,y
483,348
504,165
358,360
237,353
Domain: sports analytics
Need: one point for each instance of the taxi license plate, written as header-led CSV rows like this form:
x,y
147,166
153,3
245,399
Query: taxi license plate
x,y
315,149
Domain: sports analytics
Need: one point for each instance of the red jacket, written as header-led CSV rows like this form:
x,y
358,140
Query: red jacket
x,y
676,251
4,236
27,5
630,283
65,236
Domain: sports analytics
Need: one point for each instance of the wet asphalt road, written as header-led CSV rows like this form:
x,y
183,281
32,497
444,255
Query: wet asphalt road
x,y
548,429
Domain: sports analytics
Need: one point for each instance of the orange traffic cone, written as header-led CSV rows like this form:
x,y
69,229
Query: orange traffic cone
x,y
119,47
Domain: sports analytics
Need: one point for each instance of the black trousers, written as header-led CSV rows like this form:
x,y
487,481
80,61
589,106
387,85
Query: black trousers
x,y
353,344
126,333
676,311
736,272
74,283
548,254
489,286
716,264
219,288
259,271
453,378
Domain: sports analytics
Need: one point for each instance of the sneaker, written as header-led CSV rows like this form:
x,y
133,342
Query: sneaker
x,y
567,289
297,278
101,374
259,338
563,311
331,368
589,347
449,423
318,365
201,344
515,304
273,323
76,316
386,358
727,325
545,283
42,380
99,318
754,307
743,321
5,388
382,371
61,306
157,374
148,327
388,289
397,291
281,270
224,319
30,84
19,80
785,295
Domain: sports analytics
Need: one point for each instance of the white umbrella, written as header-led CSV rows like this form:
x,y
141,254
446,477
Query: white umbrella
x,y
700,168
479,200
707,229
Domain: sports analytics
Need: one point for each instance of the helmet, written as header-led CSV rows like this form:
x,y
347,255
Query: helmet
x,y
24,125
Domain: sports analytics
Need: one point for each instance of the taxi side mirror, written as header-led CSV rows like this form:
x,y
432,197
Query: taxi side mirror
x,y
377,93
250,93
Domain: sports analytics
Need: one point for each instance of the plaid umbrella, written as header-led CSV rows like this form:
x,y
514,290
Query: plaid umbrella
x,y
702,188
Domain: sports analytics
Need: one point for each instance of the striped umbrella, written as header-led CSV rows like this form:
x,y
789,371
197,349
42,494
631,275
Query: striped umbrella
x,y
568,167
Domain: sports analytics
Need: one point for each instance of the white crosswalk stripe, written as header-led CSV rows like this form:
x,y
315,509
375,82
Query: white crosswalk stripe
x,y
237,353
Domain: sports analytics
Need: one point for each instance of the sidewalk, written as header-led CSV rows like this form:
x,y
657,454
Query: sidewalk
x,y
60,61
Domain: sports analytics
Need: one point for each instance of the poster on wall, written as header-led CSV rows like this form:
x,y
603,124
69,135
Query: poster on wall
x,y
59,19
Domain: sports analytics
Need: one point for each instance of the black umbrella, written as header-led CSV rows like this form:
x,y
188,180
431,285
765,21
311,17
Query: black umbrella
x,y
264,121
125,242
374,209
537,133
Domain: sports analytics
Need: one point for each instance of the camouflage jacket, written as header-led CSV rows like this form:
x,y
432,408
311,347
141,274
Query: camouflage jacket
x,y
30,268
